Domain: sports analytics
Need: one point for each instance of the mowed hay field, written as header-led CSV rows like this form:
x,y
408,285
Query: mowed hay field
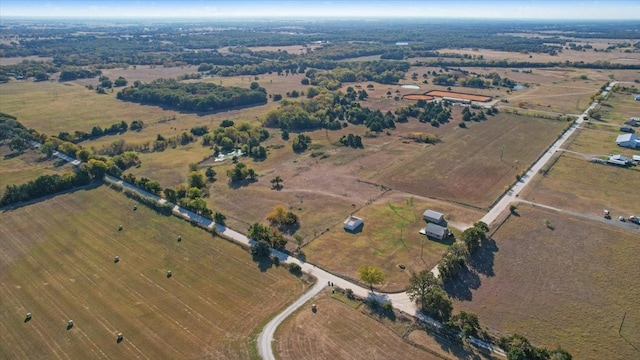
x,y
475,165
338,331
390,236
575,184
58,263
569,286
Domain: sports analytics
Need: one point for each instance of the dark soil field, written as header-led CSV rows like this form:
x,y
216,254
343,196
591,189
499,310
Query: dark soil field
x,y
560,281
57,262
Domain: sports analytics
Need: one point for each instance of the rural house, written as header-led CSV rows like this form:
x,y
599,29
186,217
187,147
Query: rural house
x,y
630,141
435,217
436,231
352,223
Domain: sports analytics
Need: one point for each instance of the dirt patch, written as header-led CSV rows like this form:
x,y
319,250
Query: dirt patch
x,y
458,95
418,97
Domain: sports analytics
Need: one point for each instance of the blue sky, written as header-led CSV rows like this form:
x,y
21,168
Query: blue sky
x,y
508,9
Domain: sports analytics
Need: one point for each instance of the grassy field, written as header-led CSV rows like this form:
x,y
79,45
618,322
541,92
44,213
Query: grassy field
x,y
595,140
475,165
620,107
338,331
27,166
57,262
566,285
389,237
575,184
570,55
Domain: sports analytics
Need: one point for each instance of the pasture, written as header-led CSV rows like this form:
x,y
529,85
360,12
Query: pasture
x,y
561,281
57,262
338,331
616,56
389,238
19,169
573,183
474,165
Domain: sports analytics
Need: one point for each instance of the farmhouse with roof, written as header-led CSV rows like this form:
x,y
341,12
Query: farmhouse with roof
x,y
628,140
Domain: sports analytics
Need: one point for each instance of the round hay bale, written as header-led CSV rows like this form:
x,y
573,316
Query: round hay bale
x,y
169,274
179,238
116,259
119,227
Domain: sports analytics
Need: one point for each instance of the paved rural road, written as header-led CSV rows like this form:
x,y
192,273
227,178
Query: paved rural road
x,y
512,194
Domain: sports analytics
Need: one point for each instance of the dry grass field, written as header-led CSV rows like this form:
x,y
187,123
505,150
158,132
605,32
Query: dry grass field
x,y
475,165
575,184
620,106
616,56
27,166
596,141
57,262
458,95
388,238
567,285
338,331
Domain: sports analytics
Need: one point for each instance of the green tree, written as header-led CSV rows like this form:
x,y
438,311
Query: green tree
x,y
196,180
219,218
276,182
419,284
371,275
210,173
437,303
260,249
18,144
48,148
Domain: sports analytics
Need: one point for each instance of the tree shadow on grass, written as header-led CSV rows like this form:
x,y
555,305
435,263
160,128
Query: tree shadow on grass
x,y
376,305
241,183
483,259
460,288
264,263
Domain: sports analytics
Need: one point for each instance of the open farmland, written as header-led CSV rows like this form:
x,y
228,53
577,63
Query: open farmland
x,y
458,95
620,106
27,166
567,284
475,165
575,184
338,331
388,238
617,56
58,263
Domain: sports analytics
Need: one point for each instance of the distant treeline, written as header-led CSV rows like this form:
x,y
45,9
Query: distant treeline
x,y
193,96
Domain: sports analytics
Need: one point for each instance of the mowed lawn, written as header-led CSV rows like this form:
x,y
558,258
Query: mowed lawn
x,y
566,285
475,165
338,331
57,262
575,184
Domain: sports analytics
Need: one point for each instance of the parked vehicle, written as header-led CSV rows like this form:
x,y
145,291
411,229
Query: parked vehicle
x,y
606,214
621,218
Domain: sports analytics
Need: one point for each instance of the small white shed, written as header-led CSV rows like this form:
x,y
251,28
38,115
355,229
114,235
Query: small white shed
x,y
352,223
433,217
436,231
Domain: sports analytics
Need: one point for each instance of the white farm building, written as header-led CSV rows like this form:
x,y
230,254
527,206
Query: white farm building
x,y
352,223
436,231
433,217
628,140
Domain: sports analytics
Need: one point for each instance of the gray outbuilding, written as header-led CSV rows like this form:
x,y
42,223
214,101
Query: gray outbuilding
x,y
431,216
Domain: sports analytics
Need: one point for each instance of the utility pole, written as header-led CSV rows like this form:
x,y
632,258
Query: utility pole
x,y
622,322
